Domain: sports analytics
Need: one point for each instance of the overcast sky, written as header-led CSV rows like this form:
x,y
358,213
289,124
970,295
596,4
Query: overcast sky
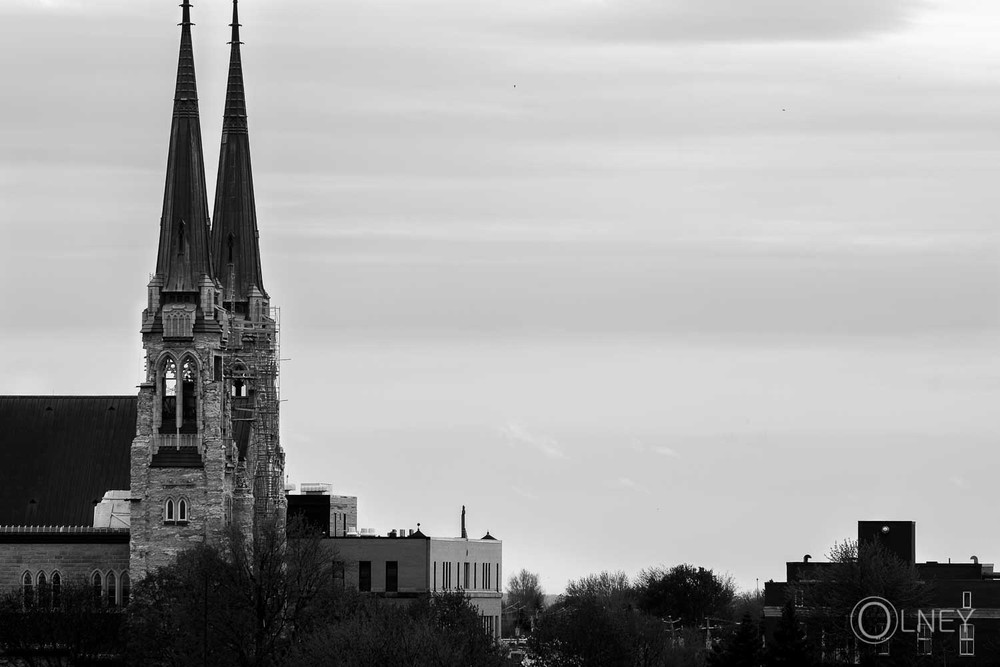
x,y
639,282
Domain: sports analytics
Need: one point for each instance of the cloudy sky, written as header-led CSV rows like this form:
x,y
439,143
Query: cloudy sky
x,y
638,281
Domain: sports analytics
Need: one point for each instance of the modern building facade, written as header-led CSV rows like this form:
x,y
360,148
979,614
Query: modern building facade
x,y
398,568
405,564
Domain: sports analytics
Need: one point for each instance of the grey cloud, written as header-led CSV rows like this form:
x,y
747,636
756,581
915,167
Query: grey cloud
x,y
736,20
648,286
628,484
515,434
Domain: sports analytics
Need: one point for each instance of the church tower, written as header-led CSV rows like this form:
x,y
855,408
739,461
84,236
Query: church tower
x,y
251,362
183,458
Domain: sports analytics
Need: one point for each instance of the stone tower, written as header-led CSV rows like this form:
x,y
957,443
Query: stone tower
x,y
207,427
251,363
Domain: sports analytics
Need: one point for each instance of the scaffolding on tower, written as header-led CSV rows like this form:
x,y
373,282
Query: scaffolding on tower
x,y
251,368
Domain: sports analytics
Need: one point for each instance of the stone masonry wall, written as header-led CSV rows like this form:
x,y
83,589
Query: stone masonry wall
x,y
75,562
207,490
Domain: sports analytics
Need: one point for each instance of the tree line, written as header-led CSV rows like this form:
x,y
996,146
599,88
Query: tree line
x,y
687,616
263,601
268,600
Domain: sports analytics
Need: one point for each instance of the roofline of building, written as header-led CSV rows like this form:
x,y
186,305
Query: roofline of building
x,y
412,537
63,535
37,396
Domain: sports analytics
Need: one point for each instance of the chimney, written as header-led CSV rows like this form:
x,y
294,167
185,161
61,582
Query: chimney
x,y
465,535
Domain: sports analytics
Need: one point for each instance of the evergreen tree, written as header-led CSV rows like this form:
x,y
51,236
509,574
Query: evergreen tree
x,y
790,647
742,649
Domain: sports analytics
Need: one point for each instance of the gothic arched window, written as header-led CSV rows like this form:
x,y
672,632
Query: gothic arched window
x,y
168,423
56,589
241,382
168,511
27,590
112,592
44,600
96,586
182,510
189,396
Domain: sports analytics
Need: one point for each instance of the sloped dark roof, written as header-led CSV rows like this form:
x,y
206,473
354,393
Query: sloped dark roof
x,y
58,454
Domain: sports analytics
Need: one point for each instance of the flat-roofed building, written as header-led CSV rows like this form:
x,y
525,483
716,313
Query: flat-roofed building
x,y
402,567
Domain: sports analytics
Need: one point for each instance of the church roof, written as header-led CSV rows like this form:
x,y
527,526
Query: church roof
x,y
59,454
235,248
183,256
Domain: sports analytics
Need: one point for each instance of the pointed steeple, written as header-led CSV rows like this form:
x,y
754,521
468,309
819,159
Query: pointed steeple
x,y
183,258
235,249
234,119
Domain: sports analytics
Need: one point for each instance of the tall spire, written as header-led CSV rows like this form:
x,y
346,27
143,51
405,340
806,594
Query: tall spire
x,y
234,119
235,249
183,257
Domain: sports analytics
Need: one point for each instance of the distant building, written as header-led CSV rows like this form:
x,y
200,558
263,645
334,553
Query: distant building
x,y
333,516
405,564
963,606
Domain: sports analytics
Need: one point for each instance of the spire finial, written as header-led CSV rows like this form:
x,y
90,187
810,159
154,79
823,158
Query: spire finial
x,y
235,25
186,93
234,120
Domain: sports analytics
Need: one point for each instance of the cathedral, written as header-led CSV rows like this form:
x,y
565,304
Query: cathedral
x,y
104,489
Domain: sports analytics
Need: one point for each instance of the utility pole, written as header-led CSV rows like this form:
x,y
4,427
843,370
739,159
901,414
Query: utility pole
x,y
670,620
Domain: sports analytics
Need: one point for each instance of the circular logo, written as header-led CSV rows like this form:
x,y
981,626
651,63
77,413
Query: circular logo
x,y
874,620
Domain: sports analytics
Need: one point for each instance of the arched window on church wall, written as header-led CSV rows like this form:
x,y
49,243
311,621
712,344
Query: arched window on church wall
x,y
168,422
241,382
44,599
96,583
189,396
112,592
56,590
27,590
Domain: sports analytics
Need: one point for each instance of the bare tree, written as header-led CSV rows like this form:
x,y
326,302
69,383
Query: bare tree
x,y
243,603
608,588
525,599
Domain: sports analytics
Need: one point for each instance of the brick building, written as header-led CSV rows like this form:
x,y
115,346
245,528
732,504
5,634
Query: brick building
x,y
957,624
